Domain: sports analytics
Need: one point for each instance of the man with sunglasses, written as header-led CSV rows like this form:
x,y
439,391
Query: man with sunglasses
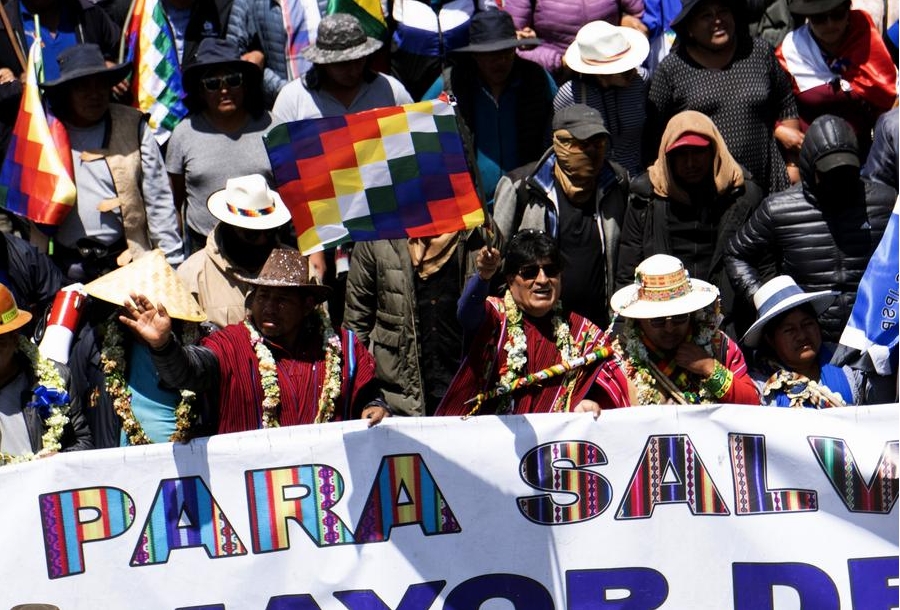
x,y
578,197
671,349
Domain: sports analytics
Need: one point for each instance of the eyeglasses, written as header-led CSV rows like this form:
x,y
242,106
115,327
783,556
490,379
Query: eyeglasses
x,y
530,272
217,83
675,320
836,15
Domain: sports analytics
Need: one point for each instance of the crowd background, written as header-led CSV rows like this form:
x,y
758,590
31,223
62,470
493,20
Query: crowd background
x,y
682,196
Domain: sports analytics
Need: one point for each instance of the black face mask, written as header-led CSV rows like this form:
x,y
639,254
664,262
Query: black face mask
x,y
837,187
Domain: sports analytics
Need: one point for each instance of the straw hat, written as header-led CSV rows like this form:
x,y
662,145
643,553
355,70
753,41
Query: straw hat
x,y
781,294
287,268
603,48
248,202
662,287
152,276
11,317
340,37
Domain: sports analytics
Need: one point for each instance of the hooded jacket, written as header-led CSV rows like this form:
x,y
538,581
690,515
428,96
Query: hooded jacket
x,y
824,244
657,200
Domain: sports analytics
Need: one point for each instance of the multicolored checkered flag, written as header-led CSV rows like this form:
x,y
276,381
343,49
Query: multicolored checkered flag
x,y
149,43
387,173
37,176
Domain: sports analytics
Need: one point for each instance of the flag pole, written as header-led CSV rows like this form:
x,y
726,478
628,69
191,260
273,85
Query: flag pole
x,y
14,43
123,41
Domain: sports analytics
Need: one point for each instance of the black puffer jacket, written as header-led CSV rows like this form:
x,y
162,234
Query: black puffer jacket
x,y
822,242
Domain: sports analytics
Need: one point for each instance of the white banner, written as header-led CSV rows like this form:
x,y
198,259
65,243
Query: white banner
x,y
654,507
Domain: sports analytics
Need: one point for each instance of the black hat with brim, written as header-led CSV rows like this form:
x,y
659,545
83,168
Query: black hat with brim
x,y
687,7
84,60
494,30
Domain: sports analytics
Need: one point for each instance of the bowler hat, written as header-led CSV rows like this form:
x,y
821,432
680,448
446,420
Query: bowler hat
x,y
494,30
813,7
83,60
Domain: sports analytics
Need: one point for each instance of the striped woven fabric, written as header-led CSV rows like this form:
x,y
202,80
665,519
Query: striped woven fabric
x,y
36,180
387,173
149,44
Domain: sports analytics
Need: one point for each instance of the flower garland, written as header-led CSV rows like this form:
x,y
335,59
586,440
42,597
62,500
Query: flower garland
x,y
54,410
112,359
268,372
633,354
516,348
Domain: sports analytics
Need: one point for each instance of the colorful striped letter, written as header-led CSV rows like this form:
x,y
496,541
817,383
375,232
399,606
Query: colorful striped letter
x,y
71,518
751,494
878,495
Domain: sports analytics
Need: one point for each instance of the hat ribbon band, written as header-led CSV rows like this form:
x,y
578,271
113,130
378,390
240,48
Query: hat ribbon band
x,y
248,212
606,60
665,293
9,315
777,297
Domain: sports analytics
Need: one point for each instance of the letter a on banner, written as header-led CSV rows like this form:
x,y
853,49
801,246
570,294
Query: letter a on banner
x,y
185,500
71,518
404,493
671,472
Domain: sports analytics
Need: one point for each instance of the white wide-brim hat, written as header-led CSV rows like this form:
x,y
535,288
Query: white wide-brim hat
x,y
662,288
249,203
781,294
603,48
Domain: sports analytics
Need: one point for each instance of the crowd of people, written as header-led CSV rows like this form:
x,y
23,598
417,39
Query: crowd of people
x,y
681,197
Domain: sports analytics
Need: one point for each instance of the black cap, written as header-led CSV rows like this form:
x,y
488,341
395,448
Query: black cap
x,y
580,120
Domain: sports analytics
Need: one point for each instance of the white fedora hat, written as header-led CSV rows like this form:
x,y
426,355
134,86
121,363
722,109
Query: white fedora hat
x,y
662,287
778,295
248,202
603,48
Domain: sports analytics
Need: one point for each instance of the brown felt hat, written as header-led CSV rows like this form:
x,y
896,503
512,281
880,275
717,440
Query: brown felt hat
x,y
287,268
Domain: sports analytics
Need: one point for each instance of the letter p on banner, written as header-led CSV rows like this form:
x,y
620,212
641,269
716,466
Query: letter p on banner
x,y
71,518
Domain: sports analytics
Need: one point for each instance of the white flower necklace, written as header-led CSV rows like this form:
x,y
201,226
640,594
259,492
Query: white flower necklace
x,y
49,378
112,359
517,352
268,372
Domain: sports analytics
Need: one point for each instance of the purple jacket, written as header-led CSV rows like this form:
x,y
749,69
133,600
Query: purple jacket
x,y
557,21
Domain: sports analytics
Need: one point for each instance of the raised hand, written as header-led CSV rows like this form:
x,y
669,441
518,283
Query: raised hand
x,y
150,323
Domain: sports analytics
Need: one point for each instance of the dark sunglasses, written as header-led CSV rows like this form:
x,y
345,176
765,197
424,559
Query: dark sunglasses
x,y
837,14
530,272
217,83
675,320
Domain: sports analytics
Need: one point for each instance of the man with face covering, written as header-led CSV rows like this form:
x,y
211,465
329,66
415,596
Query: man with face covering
x,y
822,231
578,196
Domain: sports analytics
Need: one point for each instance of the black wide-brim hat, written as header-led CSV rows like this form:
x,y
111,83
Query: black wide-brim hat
x,y
214,53
494,30
83,60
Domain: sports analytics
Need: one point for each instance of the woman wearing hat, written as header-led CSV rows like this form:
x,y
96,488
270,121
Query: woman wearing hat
x,y
792,363
609,78
671,349
38,416
220,138
689,204
839,65
527,331
716,68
